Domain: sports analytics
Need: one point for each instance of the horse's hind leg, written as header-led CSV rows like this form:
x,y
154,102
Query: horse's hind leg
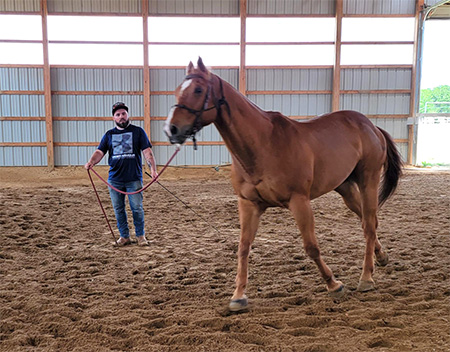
x,y
352,198
301,209
368,185
249,215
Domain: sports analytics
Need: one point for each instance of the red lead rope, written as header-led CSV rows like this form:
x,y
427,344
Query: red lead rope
x,y
126,193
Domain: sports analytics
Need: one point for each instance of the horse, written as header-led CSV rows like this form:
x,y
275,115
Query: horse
x,y
280,162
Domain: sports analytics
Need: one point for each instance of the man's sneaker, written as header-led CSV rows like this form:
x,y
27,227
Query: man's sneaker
x,y
142,241
122,241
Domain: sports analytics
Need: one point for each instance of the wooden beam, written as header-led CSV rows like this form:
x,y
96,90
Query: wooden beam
x,y
146,71
417,55
47,88
335,101
242,47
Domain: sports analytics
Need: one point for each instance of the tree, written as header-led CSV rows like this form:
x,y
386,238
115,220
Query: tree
x,y
439,94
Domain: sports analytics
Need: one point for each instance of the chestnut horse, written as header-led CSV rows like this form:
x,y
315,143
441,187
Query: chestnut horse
x,y
279,162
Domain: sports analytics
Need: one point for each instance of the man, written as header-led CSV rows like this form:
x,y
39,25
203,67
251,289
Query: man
x,y
125,143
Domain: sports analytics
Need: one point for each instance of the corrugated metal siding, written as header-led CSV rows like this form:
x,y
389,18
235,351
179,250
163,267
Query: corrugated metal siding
x,y
94,105
289,79
12,78
22,105
376,78
95,6
379,7
294,105
191,7
376,104
96,79
291,7
20,6
204,155
23,156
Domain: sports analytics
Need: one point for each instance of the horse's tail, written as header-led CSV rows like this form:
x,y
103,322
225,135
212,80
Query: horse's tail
x,y
392,169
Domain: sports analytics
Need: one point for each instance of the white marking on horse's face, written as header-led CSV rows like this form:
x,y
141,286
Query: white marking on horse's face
x,y
185,85
168,121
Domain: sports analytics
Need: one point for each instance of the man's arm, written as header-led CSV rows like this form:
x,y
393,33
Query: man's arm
x,y
150,159
95,159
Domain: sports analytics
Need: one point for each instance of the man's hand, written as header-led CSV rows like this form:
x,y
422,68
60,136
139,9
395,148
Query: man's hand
x,y
88,165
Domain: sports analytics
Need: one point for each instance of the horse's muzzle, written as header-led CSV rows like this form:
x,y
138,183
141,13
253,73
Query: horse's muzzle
x,y
176,135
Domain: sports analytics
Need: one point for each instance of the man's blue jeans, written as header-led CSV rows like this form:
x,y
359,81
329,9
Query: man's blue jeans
x,y
137,209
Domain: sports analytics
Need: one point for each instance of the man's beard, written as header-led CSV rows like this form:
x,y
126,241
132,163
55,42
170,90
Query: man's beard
x,y
123,124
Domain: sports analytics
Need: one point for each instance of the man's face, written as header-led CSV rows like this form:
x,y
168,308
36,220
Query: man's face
x,y
121,118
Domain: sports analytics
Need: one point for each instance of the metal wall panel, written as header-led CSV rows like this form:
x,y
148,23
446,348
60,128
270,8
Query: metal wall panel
x,y
23,156
94,105
379,7
204,155
376,104
95,6
20,6
27,78
22,131
194,7
22,105
96,79
376,78
294,105
291,7
289,79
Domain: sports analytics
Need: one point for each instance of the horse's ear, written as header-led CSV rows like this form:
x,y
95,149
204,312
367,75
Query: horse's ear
x,y
201,65
190,68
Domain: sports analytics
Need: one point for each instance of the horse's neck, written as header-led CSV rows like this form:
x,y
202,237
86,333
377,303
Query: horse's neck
x,y
244,129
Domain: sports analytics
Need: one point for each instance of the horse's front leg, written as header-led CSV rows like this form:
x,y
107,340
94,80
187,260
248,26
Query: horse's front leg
x,y
300,207
249,214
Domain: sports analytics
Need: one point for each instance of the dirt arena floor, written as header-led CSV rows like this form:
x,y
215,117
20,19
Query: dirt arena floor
x,y
65,287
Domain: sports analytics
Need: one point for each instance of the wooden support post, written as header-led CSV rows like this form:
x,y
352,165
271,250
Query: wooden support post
x,y
336,92
146,71
242,45
47,89
415,80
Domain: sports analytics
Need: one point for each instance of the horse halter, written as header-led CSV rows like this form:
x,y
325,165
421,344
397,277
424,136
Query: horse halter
x,y
196,126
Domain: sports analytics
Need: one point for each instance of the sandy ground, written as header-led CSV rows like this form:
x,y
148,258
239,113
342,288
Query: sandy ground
x,y
65,287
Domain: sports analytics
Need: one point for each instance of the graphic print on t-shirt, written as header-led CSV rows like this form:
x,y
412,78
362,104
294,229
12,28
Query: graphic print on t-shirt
x,y
122,143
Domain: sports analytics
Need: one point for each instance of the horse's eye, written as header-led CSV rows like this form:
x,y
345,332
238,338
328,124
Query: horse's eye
x,y
197,90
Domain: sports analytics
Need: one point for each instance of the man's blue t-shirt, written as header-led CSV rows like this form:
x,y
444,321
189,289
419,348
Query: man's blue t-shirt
x,y
125,147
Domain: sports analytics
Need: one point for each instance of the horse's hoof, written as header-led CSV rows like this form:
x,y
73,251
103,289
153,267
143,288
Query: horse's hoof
x,y
339,293
236,305
382,259
364,286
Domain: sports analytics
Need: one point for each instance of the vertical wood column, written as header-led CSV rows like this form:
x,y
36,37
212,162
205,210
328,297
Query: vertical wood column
x,y
47,89
415,81
242,45
147,117
336,92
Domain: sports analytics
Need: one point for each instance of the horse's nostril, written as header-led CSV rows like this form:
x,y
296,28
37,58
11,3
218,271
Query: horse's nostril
x,y
173,130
